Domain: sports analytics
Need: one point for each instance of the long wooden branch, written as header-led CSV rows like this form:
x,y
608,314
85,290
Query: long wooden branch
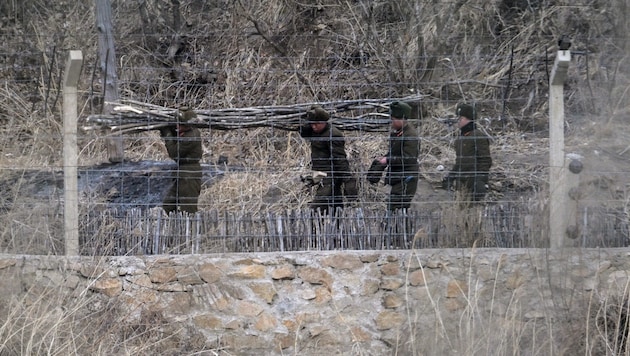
x,y
132,116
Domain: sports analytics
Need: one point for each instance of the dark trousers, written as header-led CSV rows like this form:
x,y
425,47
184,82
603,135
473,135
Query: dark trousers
x,y
329,196
402,193
470,220
397,224
474,187
185,190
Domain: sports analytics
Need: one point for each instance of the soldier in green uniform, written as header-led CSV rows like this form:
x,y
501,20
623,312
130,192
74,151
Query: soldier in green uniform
x,y
328,157
470,175
401,161
183,143
473,160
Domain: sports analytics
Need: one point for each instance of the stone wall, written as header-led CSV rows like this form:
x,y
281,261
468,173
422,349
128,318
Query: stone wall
x,y
351,302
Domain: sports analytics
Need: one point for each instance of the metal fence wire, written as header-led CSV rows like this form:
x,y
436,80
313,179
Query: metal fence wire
x,y
249,74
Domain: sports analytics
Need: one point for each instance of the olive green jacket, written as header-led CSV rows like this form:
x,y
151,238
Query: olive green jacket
x,y
185,147
328,152
402,158
472,149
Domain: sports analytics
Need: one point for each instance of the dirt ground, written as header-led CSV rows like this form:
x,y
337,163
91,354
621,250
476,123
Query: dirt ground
x,y
519,174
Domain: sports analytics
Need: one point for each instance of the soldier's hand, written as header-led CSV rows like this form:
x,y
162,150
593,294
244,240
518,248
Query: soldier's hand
x,y
308,180
168,131
375,171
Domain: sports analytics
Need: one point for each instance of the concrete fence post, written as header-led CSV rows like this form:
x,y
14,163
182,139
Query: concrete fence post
x,y
70,153
558,191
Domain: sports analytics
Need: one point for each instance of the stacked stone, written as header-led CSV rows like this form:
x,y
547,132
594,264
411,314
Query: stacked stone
x,y
317,302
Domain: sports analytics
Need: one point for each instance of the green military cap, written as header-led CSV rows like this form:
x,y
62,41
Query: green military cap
x,y
400,110
466,110
317,114
186,114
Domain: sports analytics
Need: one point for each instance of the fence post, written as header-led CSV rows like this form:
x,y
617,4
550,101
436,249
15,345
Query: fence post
x,y
558,198
70,153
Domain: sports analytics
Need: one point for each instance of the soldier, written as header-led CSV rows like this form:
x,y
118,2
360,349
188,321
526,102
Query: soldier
x,y
473,160
329,161
470,175
183,143
402,159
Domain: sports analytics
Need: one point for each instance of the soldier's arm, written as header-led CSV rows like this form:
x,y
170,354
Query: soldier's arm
x,y
306,131
340,160
168,131
484,159
171,147
457,166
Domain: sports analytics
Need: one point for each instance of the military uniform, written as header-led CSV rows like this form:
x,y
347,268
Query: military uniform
x,y
473,161
402,160
402,170
184,147
328,155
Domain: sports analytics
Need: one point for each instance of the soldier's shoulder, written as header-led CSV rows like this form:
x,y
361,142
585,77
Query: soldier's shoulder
x,y
336,131
410,130
193,134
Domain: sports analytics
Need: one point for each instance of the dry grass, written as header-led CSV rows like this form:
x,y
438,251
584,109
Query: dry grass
x,y
291,52
247,53
452,51
485,318
480,317
240,54
56,321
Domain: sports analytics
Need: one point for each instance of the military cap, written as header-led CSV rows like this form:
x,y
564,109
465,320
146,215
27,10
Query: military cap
x,y
400,110
317,114
466,110
186,114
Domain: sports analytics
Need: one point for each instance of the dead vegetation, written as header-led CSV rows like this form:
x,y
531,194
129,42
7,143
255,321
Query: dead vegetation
x,y
227,56
54,321
291,52
217,55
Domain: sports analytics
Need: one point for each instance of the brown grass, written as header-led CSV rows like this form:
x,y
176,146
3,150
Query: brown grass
x,y
485,318
55,321
240,54
272,53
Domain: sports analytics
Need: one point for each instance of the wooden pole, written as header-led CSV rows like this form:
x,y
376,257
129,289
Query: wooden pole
x,y
107,65
70,153
558,198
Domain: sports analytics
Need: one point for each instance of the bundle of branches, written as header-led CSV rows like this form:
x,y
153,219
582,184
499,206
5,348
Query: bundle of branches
x,y
131,116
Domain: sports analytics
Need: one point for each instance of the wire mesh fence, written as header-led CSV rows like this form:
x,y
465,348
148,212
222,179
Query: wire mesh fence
x,y
225,58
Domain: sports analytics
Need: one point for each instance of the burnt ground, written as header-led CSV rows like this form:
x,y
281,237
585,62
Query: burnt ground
x,y
126,185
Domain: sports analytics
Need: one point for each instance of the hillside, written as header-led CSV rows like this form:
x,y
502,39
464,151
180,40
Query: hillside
x,y
231,54
432,296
